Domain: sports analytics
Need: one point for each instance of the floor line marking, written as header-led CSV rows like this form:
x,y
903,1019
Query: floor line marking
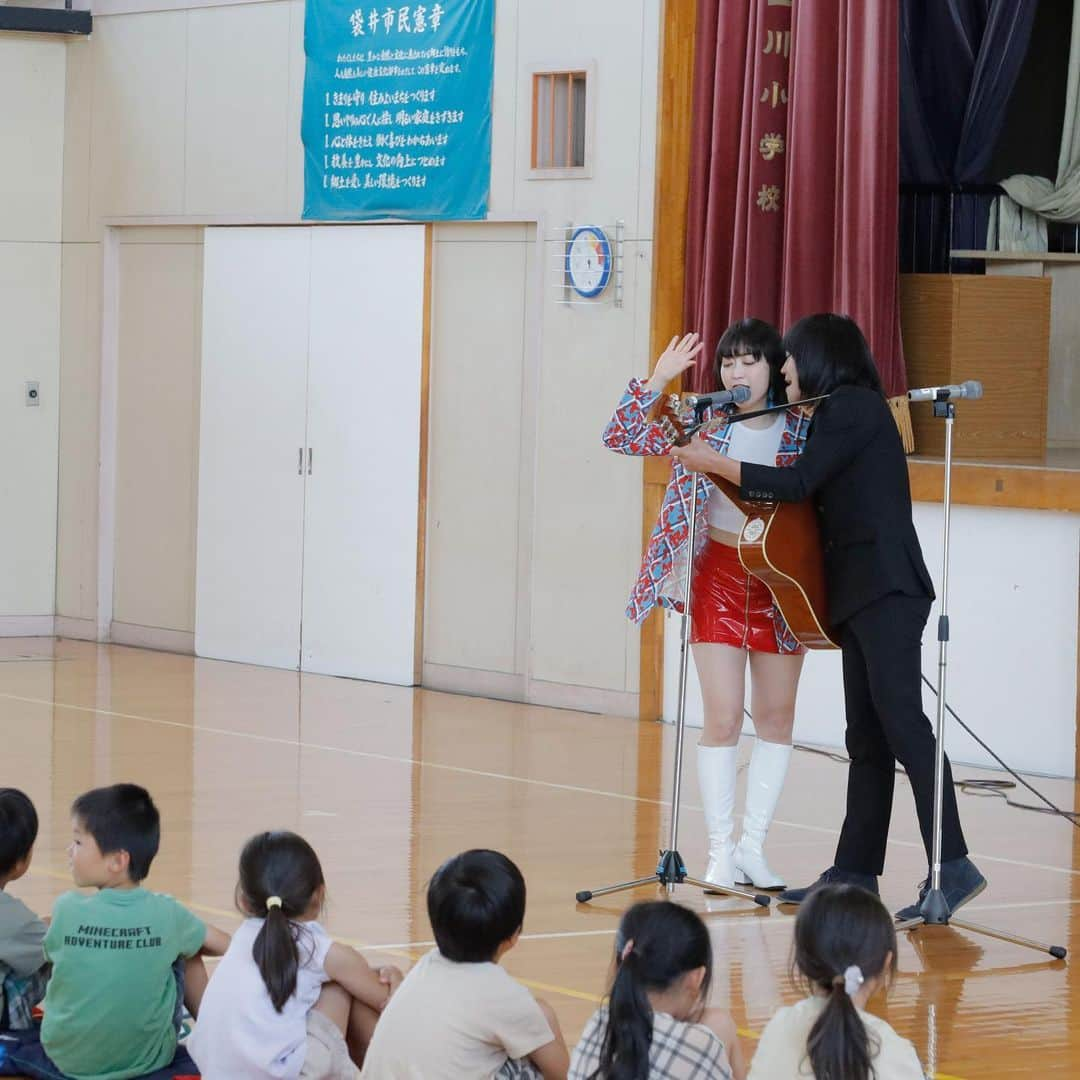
x,y
824,829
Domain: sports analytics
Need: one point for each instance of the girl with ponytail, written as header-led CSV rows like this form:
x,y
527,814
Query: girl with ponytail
x,y
845,951
655,1023
287,1001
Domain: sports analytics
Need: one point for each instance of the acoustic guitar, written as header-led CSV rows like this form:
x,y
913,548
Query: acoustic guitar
x,y
780,545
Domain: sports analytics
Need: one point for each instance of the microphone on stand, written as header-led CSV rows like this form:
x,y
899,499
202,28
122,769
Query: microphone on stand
x,y
971,389
736,395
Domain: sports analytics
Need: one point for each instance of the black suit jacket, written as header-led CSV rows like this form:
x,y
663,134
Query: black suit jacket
x,y
854,469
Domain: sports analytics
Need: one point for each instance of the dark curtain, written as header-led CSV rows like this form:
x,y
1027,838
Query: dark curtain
x,y
840,244
794,169
734,245
1030,137
959,62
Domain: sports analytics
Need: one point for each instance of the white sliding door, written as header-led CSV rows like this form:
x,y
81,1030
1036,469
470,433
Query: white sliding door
x,y
360,549
252,429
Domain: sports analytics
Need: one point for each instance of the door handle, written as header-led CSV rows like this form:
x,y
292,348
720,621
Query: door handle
x,y
300,461
309,461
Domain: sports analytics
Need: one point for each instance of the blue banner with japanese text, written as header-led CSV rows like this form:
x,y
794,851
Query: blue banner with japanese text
x,y
397,110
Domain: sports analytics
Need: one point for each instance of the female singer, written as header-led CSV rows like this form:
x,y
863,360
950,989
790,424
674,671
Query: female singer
x,y
733,617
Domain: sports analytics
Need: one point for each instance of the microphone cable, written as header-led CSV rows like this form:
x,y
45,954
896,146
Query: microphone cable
x,y
981,788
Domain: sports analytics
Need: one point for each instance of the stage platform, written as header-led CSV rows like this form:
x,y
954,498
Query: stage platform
x,y
386,782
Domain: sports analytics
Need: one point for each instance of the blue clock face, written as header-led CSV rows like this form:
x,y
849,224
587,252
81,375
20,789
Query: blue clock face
x,y
588,261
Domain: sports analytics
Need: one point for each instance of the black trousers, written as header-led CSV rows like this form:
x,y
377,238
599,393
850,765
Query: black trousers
x,y
882,653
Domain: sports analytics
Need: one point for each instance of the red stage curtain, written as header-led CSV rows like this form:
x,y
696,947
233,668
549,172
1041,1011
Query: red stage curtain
x,y
734,247
832,245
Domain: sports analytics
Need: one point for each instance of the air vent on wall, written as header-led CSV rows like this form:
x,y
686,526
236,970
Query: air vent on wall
x,y
31,20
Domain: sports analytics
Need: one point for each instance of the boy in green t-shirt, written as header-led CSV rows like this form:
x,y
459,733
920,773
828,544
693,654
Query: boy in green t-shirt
x,y
125,960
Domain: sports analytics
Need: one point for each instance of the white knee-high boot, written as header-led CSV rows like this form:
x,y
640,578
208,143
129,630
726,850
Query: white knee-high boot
x,y
716,779
764,782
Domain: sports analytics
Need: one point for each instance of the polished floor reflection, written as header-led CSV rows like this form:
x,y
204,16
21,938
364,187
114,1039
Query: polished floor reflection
x,y
387,782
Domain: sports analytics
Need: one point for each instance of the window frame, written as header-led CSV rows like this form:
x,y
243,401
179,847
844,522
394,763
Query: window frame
x,y
566,70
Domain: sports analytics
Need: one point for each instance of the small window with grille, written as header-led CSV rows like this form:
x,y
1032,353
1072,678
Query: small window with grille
x,y
559,122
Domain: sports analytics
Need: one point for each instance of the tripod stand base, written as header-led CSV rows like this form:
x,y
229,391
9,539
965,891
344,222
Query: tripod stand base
x,y
1058,952
934,910
671,871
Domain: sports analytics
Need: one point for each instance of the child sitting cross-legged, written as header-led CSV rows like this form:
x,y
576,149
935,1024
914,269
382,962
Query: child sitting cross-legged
x,y
287,1001
845,952
655,1023
125,960
24,971
459,1013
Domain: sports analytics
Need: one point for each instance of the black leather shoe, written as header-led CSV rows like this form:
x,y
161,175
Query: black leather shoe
x,y
833,876
960,882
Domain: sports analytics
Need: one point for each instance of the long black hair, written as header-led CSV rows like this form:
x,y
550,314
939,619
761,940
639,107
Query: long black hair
x,y
754,337
831,351
839,927
284,866
658,941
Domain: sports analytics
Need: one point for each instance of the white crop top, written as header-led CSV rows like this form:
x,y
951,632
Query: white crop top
x,y
756,445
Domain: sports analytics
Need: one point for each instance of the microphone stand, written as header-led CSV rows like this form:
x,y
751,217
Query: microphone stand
x,y
934,910
671,869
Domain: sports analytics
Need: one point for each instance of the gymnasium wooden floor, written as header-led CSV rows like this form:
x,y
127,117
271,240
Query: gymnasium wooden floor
x,y
386,782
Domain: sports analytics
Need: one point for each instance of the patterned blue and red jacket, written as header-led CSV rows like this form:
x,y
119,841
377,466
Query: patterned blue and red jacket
x,y
631,430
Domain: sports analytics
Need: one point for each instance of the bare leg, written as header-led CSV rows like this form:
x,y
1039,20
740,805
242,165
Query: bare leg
x,y
334,1002
774,681
722,673
362,1021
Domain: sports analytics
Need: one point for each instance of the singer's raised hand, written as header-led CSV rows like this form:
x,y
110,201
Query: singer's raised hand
x,y
674,360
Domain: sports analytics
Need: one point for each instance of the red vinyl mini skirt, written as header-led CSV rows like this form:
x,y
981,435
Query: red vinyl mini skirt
x,y
728,605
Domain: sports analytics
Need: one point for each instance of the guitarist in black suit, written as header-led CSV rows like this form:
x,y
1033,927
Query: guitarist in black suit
x,y
879,596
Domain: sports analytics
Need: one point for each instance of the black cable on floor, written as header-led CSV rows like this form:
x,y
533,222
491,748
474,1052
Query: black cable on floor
x,y
981,788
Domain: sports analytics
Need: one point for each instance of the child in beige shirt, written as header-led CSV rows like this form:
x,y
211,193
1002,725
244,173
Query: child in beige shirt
x,y
845,949
458,1013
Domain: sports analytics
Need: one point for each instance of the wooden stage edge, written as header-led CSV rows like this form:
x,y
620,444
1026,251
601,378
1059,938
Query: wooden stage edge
x,y
1022,487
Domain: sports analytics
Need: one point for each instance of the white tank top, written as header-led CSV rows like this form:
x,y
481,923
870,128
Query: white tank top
x,y
756,445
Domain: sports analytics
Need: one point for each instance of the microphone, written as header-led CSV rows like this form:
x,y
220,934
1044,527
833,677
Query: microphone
x,y
970,389
736,395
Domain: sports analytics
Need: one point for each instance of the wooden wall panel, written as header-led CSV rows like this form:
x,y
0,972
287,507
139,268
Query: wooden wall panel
x,y
669,279
996,330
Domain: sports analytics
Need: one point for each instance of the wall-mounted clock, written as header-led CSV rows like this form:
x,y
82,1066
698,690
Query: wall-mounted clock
x,y
588,260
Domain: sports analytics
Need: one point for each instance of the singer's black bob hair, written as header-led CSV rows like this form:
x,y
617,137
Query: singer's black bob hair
x,y
754,337
830,351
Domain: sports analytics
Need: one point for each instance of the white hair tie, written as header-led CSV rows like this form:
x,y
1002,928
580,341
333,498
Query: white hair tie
x,y
853,979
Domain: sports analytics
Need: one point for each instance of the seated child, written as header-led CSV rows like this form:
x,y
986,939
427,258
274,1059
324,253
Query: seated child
x,y
125,960
287,1000
655,1023
845,950
23,968
458,1013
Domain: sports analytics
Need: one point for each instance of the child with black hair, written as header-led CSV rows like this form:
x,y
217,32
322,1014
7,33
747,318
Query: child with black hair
x,y
655,1022
287,1000
125,960
845,950
459,1013
23,968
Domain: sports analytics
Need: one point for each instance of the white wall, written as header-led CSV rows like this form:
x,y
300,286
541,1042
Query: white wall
x,y
480,452
32,73
157,429
1013,590
155,101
